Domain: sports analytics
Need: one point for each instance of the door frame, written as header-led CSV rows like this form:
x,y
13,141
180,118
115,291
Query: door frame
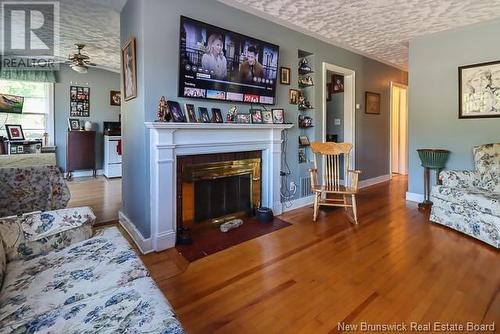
x,y
400,85
349,106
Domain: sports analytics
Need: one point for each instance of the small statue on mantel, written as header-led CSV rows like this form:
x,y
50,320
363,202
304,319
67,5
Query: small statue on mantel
x,y
161,115
231,114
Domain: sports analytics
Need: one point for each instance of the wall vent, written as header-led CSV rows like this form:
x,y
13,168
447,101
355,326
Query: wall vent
x,y
305,187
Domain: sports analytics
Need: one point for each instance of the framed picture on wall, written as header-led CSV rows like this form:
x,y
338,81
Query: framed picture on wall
x,y
372,103
479,90
115,98
285,75
337,83
129,70
293,96
79,101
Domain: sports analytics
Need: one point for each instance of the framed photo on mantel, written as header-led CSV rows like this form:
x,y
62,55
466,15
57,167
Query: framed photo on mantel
x,y
479,90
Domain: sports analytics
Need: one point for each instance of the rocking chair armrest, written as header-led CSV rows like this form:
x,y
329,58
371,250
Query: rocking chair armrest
x,y
355,171
313,170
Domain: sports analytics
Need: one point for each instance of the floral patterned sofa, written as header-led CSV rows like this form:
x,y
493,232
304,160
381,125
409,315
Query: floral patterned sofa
x,y
469,201
32,188
56,278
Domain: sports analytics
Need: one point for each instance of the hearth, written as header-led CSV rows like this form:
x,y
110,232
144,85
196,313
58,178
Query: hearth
x,y
215,187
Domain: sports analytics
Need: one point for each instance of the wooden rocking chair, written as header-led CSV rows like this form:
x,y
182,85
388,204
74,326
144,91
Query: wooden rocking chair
x,y
333,192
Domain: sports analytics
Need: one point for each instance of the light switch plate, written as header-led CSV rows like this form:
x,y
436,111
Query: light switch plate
x,y
357,106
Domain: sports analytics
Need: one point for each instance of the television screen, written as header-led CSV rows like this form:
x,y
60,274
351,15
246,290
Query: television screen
x,y
219,64
11,103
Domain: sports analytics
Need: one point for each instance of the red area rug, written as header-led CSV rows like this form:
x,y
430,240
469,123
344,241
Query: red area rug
x,y
208,239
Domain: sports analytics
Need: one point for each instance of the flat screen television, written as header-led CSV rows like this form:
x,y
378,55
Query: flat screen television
x,y
219,64
11,103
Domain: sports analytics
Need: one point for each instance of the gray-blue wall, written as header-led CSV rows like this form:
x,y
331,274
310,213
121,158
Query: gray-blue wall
x,y
155,24
433,93
101,82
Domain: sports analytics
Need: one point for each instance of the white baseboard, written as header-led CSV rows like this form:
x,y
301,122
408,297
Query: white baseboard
x,y
165,240
374,180
414,197
85,173
145,245
299,203
309,200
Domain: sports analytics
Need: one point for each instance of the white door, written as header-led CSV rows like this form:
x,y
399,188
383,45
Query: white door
x,y
399,129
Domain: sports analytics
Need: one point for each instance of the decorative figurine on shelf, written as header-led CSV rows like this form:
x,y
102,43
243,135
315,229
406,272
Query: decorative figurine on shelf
x,y
306,80
304,104
231,114
304,66
305,121
161,115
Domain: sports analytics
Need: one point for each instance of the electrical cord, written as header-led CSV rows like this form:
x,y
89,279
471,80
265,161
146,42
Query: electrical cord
x,y
286,194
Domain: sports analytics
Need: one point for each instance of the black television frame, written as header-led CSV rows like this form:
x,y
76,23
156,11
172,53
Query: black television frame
x,y
180,93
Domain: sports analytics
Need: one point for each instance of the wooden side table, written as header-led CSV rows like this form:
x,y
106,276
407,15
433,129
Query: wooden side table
x,y
80,152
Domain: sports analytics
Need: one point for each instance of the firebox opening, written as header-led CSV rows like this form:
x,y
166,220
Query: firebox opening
x,y
217,186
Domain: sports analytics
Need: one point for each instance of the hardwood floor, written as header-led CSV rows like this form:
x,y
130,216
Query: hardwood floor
x,y
394,266
103,195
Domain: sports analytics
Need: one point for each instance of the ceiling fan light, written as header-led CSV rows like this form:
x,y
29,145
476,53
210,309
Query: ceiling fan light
x,y
78,68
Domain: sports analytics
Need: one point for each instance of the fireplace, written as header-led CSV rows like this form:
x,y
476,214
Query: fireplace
x,y
216,187
169,143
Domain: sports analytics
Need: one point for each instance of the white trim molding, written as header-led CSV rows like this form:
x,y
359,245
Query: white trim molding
x,y
85,173
414,197
349,121
170,140
299,203
144,244
309,200
374,181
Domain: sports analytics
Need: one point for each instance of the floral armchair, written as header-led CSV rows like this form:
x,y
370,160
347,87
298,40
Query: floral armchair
x,y
469,201
33,188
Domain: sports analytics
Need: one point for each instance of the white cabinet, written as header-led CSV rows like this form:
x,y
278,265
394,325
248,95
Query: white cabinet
x,y
112,156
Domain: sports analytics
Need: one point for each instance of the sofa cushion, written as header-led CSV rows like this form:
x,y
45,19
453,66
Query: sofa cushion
x,y
467,220
31,189
486,202
37,233
78,272
134,307
487,163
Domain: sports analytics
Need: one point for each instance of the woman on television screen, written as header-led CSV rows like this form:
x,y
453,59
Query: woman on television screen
x,y
214,60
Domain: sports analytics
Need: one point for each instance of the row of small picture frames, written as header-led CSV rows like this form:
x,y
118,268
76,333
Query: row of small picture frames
x,y
171,111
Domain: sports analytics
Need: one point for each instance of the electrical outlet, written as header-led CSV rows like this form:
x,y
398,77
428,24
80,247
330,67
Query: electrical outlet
x,y
292,186
337,121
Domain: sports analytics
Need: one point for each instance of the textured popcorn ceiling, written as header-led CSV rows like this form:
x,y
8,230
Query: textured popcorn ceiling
x,y
96,23
379,29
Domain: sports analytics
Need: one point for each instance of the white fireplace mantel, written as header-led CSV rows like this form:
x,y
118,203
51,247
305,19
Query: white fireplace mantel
x,y
169,140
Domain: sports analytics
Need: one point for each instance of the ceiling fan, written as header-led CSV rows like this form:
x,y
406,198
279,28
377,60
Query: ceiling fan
x,y
79,62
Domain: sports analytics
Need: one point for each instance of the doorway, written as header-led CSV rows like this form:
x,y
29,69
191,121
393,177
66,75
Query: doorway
x,y
346,116
399,129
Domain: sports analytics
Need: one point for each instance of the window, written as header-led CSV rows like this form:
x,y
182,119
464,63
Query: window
x,y
38,109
